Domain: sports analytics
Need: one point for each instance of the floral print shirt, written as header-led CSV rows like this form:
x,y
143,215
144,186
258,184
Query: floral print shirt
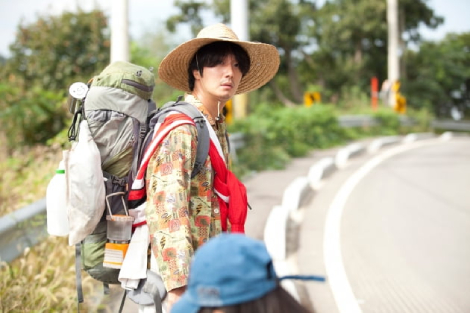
x,y
182,213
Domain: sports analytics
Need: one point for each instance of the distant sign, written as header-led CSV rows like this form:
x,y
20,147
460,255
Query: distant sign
x,y
228,111
400,101
311,98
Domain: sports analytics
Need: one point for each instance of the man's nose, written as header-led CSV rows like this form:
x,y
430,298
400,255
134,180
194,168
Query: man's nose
x,y
229,70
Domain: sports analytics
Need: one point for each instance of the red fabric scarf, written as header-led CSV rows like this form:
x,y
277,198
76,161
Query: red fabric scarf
x,y
226,183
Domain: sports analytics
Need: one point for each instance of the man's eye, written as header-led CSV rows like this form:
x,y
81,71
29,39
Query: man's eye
x,y
236,65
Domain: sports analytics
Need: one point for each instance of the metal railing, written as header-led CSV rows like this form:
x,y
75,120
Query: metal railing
x,y
21,229
348,121
27,226
451,125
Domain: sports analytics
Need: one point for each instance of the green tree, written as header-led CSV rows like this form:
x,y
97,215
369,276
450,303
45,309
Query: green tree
x,y
190,12
55,51
438,75
29,115
46,57
337,46
352,38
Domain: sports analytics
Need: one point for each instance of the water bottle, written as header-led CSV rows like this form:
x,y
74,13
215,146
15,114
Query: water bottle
x,y
57,218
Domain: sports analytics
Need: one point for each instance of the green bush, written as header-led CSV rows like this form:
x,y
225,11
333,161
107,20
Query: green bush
x,y
273,135
30,116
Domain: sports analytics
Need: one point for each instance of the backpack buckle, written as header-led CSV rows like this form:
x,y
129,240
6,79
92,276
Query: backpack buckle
x,y
199,120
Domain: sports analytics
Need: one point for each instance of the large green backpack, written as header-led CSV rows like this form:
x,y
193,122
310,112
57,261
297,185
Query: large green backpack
x,y
120,113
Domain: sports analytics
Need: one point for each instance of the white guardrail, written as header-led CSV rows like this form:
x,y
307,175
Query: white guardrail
x,y
27,226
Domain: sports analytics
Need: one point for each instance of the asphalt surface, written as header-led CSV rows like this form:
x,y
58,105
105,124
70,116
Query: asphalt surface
x,y
391,231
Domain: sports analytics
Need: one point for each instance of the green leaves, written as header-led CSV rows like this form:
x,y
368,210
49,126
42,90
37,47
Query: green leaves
x,y
47,56
54,51
273,136
437,72
30,116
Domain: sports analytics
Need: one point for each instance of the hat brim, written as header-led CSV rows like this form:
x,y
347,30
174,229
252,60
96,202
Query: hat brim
x,y
185,305
264,63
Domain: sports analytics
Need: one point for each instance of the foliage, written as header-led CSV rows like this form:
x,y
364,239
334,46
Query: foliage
x,y
352,100
47,56
273,135
189,13
389,122
413,13
439,75
337,45
43,280
55,51
29,115
31,167
351,50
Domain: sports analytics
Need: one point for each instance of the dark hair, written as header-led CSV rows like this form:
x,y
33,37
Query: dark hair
x,y
275,301
213,54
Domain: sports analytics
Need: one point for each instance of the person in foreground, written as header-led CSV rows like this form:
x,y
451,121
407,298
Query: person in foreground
x,y
233,273
183,212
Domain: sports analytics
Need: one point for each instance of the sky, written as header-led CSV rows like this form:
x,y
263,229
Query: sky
x,y
145,14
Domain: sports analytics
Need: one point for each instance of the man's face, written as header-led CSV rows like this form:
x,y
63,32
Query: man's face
x,y
221,81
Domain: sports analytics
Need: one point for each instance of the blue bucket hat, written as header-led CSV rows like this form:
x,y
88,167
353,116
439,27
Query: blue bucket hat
x,y
229,269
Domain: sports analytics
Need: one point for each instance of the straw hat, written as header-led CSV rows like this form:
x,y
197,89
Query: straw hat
x,y
264,59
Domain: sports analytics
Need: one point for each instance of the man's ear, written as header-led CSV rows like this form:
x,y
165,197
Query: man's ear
x,y
196,74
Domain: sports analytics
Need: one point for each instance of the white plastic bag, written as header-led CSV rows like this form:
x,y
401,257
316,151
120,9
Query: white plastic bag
x,y
86,190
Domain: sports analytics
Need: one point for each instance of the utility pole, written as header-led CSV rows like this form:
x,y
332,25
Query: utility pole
x,y
119,31
393,46
239,22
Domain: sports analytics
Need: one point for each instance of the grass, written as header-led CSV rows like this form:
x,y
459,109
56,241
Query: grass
x,y
43,278
24,175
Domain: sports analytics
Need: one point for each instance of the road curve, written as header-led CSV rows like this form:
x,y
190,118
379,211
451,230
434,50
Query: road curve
x,y
391,231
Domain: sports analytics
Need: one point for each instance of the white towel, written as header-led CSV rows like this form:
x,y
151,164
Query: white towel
x,y
134,266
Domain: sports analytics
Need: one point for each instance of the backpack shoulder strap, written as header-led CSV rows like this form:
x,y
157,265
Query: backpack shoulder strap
x,y
203,138
191,111
193,116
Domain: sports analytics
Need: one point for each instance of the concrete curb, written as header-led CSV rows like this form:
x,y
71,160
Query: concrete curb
x,y
417,136
275,231
381,142
319,171
348,152
295,193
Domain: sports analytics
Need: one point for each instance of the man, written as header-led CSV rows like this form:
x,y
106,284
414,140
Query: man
x,y
183,212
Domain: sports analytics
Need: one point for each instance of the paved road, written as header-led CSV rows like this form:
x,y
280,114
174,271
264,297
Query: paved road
x,y
391,231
